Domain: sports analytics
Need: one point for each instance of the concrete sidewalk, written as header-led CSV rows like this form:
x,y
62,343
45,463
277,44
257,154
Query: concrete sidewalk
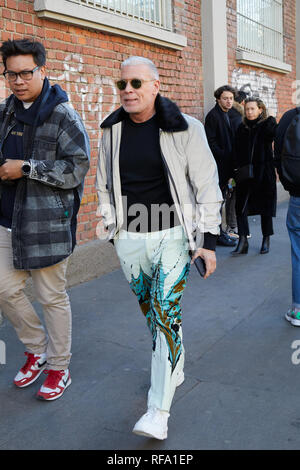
x,y
241,385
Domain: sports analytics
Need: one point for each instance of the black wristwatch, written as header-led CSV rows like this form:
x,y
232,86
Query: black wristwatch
x,y
26,168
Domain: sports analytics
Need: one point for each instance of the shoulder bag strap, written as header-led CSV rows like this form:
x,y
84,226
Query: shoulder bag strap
x,y
251,159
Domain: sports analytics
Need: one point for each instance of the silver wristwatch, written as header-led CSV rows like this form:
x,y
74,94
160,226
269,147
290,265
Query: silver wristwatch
x,y
26,168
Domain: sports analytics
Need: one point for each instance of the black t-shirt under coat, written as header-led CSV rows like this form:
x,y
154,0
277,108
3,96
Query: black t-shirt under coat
x,y
143,177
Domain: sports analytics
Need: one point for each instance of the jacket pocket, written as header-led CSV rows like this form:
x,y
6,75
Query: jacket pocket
x,y
44,150
64,203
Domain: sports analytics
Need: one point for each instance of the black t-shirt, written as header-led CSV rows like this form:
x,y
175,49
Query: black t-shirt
x,y
12,149
148,201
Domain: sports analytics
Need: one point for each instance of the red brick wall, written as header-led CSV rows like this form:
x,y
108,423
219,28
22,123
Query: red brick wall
x,y
86,63
278,91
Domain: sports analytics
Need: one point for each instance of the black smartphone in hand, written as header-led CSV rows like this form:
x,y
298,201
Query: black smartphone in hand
x,y
200,265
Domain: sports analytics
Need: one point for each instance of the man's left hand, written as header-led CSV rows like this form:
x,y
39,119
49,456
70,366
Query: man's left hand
x,y
11,170
209,257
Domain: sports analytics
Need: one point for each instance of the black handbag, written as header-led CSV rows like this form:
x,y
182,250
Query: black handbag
x,y
244,173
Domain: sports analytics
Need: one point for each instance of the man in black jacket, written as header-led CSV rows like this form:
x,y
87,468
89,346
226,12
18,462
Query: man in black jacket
x,y
220,127
293,215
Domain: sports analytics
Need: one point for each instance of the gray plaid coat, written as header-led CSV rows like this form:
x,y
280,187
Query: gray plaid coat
x,y
59,155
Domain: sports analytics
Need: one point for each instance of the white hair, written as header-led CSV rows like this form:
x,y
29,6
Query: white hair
x,y
138,60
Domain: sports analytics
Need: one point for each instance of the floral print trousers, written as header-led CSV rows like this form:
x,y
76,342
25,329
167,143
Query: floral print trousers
x,y
156,265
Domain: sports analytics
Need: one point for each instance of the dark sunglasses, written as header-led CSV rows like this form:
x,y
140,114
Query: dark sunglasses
x,y
136,83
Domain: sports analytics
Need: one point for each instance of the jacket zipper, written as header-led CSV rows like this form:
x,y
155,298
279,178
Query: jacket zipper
x,y
110,187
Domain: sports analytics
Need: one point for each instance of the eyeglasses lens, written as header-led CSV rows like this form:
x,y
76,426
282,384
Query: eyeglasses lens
x,y
135,83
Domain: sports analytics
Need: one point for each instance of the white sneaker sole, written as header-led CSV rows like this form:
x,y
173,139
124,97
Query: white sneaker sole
x,y
160,437
287,317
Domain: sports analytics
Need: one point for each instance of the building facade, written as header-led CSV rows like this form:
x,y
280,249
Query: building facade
x,y
197,46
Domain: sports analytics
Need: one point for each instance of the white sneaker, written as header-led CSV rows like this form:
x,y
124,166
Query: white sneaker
x,y
153,424
293,316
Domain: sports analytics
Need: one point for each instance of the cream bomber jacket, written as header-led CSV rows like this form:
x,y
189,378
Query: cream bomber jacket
x,y
192,173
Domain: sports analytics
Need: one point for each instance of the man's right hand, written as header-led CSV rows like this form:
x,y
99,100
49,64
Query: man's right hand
x,y
11,170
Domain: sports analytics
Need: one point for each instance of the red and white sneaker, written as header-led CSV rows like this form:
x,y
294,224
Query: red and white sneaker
x,y
55,384
31,370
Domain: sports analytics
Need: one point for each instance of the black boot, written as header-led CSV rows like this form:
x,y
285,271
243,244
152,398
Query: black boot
x,y
265,246
242,248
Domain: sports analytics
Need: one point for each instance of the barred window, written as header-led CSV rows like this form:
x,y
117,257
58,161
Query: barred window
x,y
155,12
147,20
260,27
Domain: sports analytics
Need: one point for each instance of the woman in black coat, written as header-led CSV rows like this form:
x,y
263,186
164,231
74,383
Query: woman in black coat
x,y
256,196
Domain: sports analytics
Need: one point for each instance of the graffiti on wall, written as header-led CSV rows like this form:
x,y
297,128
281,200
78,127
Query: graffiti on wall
x,y
88,95
258,85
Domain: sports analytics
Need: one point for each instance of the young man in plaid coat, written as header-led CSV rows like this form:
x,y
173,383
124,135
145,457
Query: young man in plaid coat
x,y
44,157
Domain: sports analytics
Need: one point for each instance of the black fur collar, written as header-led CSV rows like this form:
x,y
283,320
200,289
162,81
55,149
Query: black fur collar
x,y
168,114
265,122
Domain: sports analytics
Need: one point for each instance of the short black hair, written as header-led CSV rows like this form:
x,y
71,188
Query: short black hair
x,y
223,88
23,47
240,96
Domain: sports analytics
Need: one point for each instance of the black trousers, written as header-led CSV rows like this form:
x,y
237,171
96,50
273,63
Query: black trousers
x,y
224,190
266,225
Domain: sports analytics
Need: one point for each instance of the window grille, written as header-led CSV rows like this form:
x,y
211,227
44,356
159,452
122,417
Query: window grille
x,y
157,13
260,27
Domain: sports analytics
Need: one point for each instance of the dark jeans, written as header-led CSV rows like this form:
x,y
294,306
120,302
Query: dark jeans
x,y
293,226
266,225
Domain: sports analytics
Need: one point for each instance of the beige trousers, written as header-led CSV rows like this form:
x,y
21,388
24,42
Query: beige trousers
x,y
50,290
